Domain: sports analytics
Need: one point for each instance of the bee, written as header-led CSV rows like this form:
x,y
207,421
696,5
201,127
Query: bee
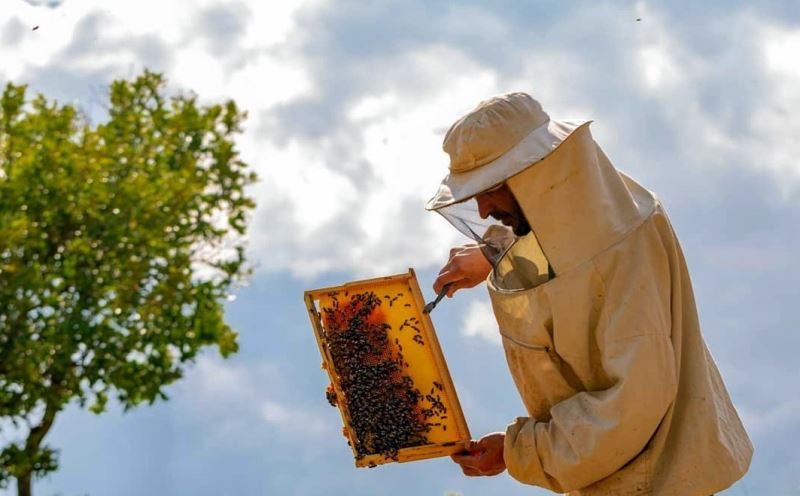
x,y
382,403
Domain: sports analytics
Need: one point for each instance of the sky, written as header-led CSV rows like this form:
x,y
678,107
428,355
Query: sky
x,y
348,102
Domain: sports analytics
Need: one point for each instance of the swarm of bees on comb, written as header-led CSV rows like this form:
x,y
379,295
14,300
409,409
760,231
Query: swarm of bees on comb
x,y
383,403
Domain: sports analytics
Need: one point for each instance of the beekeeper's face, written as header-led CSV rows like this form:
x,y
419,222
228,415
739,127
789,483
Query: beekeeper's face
x,y
500,204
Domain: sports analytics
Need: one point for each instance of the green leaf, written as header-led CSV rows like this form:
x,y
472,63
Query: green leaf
x,y
101,229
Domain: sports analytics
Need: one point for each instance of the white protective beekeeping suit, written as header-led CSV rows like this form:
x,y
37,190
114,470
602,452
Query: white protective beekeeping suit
x,y
596,312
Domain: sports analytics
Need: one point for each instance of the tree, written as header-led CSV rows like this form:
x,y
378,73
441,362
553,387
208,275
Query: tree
x,y
118,244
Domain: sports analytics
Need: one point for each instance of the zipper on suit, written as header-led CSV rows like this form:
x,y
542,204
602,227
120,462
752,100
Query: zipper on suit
x,y
534,347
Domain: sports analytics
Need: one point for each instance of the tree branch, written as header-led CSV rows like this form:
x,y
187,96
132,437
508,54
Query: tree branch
x,y
37,434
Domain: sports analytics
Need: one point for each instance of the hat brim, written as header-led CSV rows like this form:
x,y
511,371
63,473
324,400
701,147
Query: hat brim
x,y
534,147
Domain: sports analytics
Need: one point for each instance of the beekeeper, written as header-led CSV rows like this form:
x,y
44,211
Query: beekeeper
x,y
594,305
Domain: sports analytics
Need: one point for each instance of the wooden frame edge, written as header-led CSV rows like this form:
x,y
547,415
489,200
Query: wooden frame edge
x,y
316,324
441,364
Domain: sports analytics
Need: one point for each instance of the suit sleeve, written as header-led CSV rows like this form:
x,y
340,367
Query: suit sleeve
x,y
593,434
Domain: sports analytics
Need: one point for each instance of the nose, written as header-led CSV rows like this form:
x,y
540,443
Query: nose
x,y
484,205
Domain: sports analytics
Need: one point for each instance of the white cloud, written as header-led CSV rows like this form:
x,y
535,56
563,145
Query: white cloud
x,y
659,69
258,68
343,184
352,200
294,421
371,107
272,23
773,419
775,128
335,203
363,211
661,61
479,322
267,80
714,123
781,46
236,407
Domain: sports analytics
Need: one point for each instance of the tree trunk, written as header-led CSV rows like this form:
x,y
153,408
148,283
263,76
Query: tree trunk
x,y
24,485
32,444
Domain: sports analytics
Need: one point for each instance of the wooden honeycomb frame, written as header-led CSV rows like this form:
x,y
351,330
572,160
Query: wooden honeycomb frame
x,y
424,364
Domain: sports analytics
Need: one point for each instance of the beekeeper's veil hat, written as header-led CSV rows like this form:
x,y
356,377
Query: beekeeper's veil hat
x,y
500,138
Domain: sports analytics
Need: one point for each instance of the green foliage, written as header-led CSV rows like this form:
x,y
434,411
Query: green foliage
x,y
118,243
16,461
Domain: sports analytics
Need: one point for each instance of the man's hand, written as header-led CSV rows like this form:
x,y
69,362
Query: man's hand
x,y
466,268
484,457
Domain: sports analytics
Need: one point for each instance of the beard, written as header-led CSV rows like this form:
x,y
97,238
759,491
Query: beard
x,y
522,228
516,221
